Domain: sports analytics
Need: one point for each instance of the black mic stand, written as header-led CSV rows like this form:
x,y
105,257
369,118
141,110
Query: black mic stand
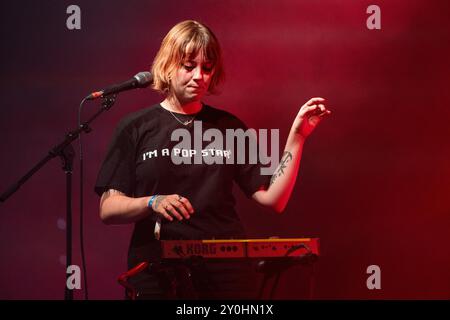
x,y
65,151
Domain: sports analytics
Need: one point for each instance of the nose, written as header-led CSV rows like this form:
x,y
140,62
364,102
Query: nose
x,y
198,73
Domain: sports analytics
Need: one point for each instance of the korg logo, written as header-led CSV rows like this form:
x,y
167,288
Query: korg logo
x,y
201,249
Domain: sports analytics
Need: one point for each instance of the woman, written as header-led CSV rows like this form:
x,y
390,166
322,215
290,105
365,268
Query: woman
x,y
139,182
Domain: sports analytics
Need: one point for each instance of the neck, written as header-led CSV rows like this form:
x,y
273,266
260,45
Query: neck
x,y
174,105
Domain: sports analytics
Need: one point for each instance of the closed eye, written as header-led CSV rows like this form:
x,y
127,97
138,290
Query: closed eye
x,y
206,69
189,68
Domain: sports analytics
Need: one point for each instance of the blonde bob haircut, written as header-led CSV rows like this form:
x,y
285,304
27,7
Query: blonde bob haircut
x,y
184,41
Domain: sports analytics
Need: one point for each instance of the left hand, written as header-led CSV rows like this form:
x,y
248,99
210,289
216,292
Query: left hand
x,y
309,116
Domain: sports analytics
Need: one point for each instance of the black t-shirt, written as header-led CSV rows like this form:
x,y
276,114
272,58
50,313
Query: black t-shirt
x,y
139,163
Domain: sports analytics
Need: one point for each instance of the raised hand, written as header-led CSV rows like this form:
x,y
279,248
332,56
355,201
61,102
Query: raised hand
x,y
310,115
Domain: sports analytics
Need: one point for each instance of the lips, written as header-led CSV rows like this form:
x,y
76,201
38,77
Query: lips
x,y
195,89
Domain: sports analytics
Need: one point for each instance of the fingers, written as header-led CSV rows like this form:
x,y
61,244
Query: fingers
x,y
321,110
180,208
316,109
170,209
165,215
314,101
173,206
306,110
187,205
325,113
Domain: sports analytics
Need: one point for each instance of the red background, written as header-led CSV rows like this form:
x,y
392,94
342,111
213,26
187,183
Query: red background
x,y
374,178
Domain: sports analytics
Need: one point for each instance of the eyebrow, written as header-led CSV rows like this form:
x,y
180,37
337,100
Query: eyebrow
x,y
205,62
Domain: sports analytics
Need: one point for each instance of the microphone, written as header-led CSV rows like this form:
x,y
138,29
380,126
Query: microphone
x,y
140,80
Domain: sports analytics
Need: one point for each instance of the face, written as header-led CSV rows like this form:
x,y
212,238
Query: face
x,y
191,80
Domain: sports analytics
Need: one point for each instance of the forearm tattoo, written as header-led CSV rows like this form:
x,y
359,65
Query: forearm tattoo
x,y
158,201
287,157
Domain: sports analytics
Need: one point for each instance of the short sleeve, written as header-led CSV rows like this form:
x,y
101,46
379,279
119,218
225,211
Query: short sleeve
x,y
250,179
118,168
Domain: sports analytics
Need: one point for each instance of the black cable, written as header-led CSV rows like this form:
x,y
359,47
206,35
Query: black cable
x,y
83,262
290,251
298,246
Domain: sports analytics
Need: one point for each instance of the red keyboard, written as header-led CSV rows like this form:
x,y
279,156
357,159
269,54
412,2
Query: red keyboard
x,y
240,248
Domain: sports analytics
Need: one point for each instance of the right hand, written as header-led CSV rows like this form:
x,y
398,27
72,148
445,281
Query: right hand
x,y
172,205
